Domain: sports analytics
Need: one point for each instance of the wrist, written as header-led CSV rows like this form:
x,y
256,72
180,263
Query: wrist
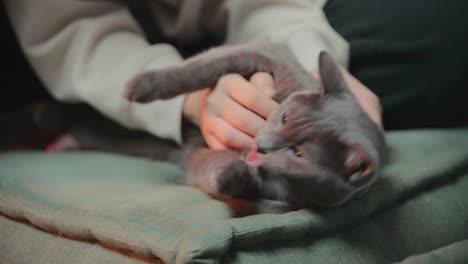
x,y
192,107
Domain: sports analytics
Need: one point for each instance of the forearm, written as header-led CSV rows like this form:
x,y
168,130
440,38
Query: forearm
x,y
300,24
87,51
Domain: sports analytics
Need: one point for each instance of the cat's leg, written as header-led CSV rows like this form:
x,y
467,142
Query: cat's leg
x,y
237,180
78,122
82,137
221,172
86,129
199,72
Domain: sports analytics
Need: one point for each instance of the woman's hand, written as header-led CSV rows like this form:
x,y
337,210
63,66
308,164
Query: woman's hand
x,y
230,114
233,111
368,100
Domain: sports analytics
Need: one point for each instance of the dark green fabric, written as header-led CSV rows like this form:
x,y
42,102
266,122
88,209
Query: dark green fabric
x,y
431,220
417,206
413,54
456,253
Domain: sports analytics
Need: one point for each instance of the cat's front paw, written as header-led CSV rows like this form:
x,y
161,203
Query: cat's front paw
x,y
150,86
235,180
140,89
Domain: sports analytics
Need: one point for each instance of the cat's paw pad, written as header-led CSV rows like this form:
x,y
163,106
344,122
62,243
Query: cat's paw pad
x,y
236,181
359,165
63,143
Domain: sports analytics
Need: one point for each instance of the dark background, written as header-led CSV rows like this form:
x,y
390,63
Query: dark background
x,y
413,55
19,81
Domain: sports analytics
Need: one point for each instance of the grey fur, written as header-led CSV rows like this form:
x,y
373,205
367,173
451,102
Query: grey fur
x,y
337,140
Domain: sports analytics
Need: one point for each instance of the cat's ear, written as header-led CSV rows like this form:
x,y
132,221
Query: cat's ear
x,y
330,75
314,98
309,98
358,164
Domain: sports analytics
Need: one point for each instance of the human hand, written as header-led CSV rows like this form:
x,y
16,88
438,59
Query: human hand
x,y
368,100
233,111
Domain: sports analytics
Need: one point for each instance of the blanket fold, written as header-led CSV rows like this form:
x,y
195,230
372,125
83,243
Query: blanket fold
x,y
140,205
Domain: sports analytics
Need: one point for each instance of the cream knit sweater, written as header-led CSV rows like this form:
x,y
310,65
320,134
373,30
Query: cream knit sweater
x,y
87,50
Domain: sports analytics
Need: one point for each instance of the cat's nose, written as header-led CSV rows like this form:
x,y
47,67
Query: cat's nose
x,y
259,147
262,145
267,144
255,148
261,150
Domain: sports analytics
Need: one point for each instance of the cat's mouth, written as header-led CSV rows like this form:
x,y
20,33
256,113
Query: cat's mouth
x,y
253,158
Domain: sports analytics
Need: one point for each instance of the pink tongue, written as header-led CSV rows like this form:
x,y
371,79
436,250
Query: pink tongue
x,y
252,156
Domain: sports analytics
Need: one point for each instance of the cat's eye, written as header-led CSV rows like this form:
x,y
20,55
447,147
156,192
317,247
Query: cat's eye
x,y
284,118
297,152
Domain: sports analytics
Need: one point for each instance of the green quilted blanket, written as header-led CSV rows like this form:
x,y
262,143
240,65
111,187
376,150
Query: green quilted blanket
x,y
419,205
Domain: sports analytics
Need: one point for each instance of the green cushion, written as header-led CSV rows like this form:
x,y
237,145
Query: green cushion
x,y
140,206
21,243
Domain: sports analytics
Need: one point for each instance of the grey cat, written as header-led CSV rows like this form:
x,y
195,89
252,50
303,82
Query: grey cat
x,y
318,148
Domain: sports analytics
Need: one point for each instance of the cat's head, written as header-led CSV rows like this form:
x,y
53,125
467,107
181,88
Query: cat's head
x,y
318,148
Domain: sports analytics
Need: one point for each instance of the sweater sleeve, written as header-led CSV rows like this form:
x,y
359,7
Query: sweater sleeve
x,y
86,51
300,24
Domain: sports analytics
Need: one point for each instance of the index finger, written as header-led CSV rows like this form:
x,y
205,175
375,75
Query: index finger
x,y
251,97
